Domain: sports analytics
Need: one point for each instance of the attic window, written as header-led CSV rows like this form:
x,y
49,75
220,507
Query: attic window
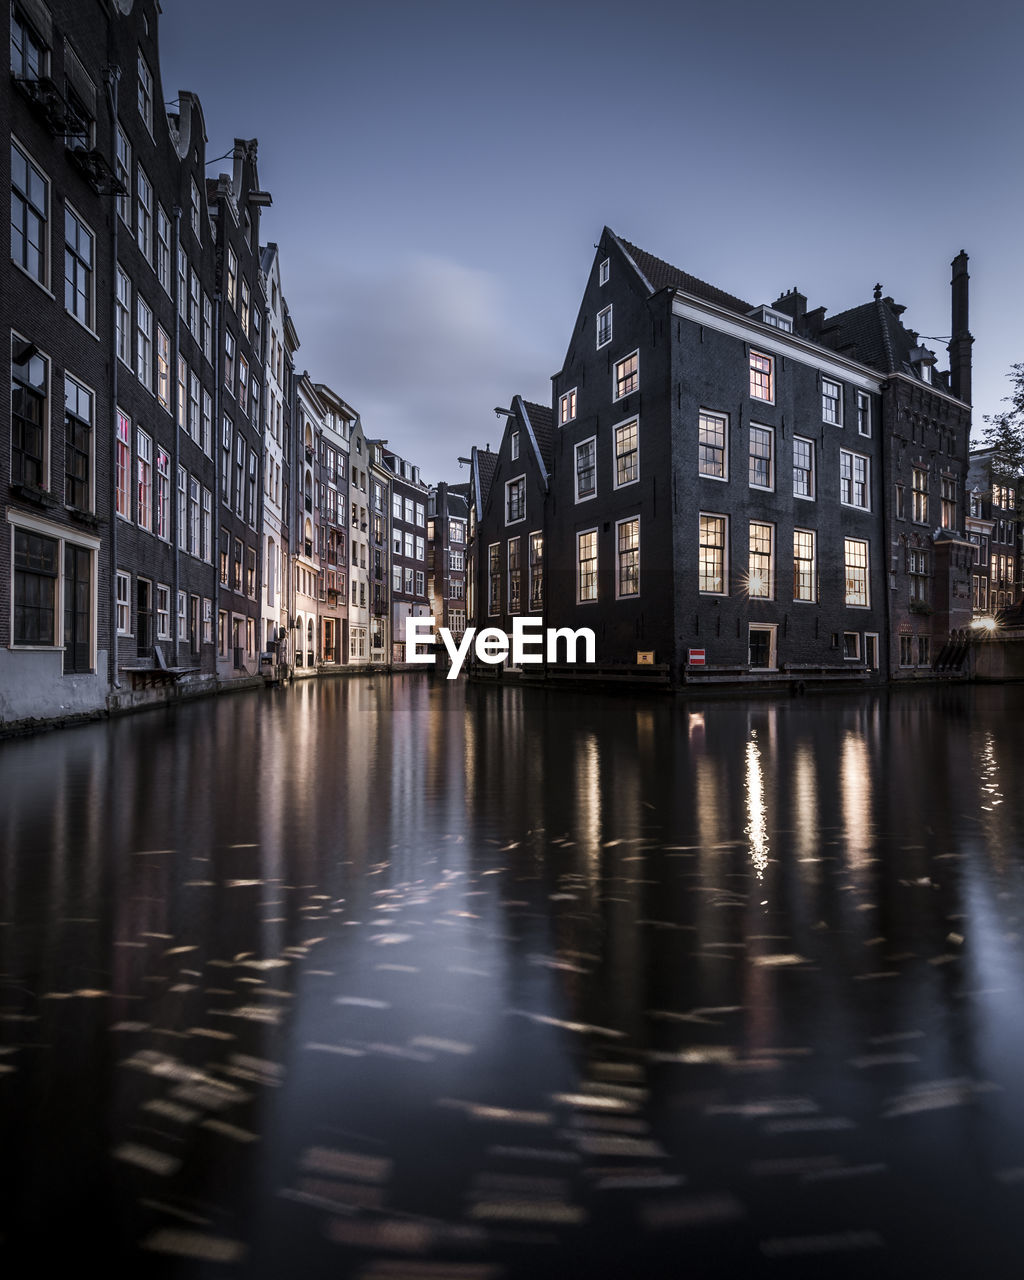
x,y
602,271
777,319
515,445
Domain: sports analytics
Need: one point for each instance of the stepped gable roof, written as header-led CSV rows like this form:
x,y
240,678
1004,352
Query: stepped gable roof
x,y
662,275
542,422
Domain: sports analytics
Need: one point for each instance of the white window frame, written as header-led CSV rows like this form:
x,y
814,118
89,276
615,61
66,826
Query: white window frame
x,y
773,651
813,597
827,400
604,271
567,403
760,355
123,600
585,533
591,440
714,515
619,593
81,270
863,414
861,542
770,486
855,656
854,459
724,419
633,377
515,480
603,341
769,593
620,426
812,496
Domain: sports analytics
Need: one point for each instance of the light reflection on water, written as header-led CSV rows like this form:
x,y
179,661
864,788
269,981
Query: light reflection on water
x,y
629,975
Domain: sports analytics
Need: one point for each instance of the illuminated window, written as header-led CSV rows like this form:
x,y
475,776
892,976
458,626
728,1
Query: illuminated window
x,y
627,375
948,502
515,576
567,407
762,377
493,579
761,562
123,467
919,495
627,569
712,561
536,570
586,566
856,561
144,480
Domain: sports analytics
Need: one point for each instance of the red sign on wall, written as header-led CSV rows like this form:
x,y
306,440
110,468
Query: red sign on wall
x,y
696,657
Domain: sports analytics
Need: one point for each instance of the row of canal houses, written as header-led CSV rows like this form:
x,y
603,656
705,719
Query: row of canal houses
x,y
182,508
731,493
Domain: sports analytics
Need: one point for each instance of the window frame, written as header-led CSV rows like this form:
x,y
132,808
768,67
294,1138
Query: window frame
x,y
812,471
837,401
703,414
866,568
770,431
580,444
812,572
44,248
723,551
770,556
853,482
754,371
88,271
626,423
581,599
620,594
603,330
631,376
567,405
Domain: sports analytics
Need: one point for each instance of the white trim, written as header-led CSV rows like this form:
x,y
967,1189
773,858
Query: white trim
x,y
855,506
615,375
777,343
604,271
635,417
840,420
581,533
564,422
605,311
575,469
714,413
635,595
518,519
773,461
813,495
726,566
773,652
756,351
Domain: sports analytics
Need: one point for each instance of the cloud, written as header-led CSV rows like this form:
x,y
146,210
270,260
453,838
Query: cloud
x,y
423,351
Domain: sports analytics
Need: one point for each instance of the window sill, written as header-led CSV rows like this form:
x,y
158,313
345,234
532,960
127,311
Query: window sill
x,y
37,282
82,325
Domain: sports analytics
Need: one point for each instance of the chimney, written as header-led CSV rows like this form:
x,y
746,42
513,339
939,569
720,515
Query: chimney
x,y
961,340
792,303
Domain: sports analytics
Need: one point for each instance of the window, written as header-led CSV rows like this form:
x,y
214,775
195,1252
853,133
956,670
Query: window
x,y
124,603
421,550
396,577
900,503
856,559
493,579
35,588
182,615
207,424
144,480
514,445
863,413
30,203
410,545
78,444
163,368
567,407
603,271
762,377
627,454
163,495
919,495
627,549
604,327
803,468
78,264
948,503
28,53
456,531
195,211
182,393
29,414
145,93
924,646
123,466
253,483
761,562
831,402
122,317
163,249
207,329
906,651
144,214
207,621
229,360
917,567
711,445
182,508
421,514
243,383
250,574
712,563
123,170
853,480
237,562
194,294
851,646
536,571
627,375
586,469
515,500
762,463
182,281
232,274
163,612
143,343
805,586
515,576
244,310
410,511
586,566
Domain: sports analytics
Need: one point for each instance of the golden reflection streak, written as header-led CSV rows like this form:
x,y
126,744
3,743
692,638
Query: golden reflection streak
x,y
855,793
588,802
757,816
806,810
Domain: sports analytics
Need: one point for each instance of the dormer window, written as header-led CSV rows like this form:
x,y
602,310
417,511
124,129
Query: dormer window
x,y
921,359
777,319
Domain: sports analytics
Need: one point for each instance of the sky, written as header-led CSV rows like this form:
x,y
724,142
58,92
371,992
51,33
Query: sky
x,y
442,170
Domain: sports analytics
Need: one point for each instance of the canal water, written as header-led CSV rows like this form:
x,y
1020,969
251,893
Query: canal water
x,y
410,980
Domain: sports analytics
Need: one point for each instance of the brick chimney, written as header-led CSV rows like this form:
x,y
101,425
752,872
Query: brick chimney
x,y
961,340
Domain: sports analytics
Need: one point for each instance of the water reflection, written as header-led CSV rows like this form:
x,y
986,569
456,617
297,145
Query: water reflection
x,y
625,973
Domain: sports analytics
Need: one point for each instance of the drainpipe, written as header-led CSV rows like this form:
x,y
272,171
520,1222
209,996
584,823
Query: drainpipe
x,y
113,76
